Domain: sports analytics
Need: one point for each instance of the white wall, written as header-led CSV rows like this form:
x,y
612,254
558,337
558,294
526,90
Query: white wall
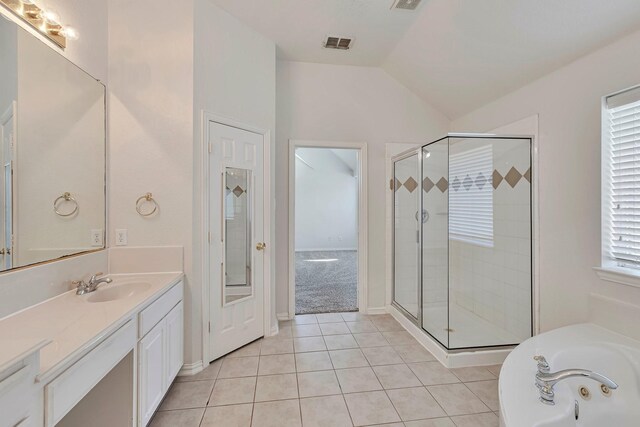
x,y
326,200
345,103
234,77
151,129
568,104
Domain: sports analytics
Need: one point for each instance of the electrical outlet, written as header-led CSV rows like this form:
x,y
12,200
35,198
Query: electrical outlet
x,y
121,237
96,237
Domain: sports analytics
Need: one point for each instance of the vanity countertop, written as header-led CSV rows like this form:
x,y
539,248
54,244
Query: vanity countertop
x,y
68,326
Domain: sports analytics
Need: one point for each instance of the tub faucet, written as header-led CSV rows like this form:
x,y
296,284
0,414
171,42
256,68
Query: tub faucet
x,y
94,281
547,380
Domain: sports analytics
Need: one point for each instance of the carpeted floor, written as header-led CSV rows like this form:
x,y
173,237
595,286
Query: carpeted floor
x,y
326,286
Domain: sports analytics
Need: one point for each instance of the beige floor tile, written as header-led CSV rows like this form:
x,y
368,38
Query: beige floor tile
x,y
495,370
351,358
284,332
277,364
371,339
473,373
306,344
432,373
399,338
476,420
239,367
334,328
315,361
233,391
276,387
396,376
361,327
373,407
252,349
355,316
194,394
311,330
304,319
276,346
208,373
328,411
457,399
434,422
318,383
415,403
183,418
339,342
382,356
329,317
487,391
414,353
280,413
354,380
387,325
228,416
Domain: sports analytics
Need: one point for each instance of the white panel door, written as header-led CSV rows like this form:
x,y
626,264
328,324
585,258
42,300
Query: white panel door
x,y
236,224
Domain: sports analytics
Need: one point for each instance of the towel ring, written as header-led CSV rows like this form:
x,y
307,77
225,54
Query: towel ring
x,y
66,197
147,198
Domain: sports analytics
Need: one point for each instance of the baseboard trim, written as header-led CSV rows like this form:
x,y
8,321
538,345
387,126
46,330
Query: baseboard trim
x,y
191,368
376,310
450,360
283,316
274,330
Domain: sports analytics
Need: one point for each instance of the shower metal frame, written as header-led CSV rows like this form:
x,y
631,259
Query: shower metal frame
x,y
418,321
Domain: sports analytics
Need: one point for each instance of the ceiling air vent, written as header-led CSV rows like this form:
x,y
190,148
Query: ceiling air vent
x,y
334,42
405,4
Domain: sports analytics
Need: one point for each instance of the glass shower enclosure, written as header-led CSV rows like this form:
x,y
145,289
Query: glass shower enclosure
x,y
462,239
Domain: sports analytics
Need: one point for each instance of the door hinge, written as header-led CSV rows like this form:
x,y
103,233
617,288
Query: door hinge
x,y
209,237
209,327
210,147
391,184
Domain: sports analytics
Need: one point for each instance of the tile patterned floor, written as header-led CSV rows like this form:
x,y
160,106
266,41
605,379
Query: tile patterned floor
x,y
333,370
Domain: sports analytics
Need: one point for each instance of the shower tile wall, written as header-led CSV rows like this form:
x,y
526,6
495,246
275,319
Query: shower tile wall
x,y
493,284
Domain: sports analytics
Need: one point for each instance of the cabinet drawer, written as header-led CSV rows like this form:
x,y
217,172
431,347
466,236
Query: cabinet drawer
x,y
63,393
17,393
150,316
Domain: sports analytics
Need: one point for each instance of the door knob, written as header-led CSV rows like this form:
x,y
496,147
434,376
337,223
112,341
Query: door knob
x,y
261,246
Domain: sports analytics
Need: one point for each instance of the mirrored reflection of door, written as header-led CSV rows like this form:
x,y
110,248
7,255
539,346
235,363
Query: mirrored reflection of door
x,y
435,239
237,241
406,235
7,136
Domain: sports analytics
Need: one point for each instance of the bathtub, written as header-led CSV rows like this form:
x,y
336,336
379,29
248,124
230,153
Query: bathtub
x,y
585,346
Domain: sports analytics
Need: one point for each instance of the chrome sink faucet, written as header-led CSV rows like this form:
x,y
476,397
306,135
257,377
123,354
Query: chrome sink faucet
x,y
85,288
546,380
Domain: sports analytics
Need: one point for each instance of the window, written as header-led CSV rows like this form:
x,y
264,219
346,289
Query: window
x,y
621,180
471,196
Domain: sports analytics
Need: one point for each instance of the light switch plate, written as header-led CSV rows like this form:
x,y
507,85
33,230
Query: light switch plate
x,y
121,237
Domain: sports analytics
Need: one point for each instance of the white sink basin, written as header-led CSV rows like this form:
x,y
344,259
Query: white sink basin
x,y
114,292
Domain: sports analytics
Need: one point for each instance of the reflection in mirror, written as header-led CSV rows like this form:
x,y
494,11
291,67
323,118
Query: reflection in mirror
x,y
237,240
52,131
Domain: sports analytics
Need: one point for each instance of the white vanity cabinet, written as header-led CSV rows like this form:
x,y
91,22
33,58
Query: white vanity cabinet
x,y
20,403
160,351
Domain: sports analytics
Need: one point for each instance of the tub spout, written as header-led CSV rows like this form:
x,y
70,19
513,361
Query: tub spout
x,y
546,381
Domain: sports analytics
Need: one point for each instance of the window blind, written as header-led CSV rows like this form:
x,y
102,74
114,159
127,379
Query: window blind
x,y
471,196
622,178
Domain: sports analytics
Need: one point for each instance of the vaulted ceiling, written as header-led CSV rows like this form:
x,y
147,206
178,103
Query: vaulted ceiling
x,y
455,54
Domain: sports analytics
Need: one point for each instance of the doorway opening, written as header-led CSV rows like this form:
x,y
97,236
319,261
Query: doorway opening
x,y
326,244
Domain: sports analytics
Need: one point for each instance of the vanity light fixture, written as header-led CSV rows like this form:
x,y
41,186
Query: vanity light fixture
x,y
46,21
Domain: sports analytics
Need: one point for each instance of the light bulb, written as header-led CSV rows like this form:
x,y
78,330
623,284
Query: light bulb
x,y
69,33
50,17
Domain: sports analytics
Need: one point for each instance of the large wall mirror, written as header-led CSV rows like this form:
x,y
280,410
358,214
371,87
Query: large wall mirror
x,y
52,129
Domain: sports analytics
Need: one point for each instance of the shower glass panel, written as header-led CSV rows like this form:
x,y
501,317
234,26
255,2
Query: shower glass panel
x,y
406,234
470,260
489,241
435,240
